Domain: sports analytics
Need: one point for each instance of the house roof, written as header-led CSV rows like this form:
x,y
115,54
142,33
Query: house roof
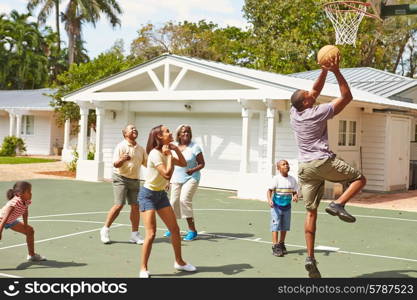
x,y
269,80
26,99
368,79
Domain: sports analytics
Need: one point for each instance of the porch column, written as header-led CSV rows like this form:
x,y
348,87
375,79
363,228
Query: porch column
x,y
270,148
98,156
18,125
67,132
12,124
82,135
244,162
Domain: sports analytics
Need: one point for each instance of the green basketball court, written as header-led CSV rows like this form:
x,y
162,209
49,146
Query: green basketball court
x,y
234,239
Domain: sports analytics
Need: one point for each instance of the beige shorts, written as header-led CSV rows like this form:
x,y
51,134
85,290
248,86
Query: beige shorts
x,y
182,198
313,174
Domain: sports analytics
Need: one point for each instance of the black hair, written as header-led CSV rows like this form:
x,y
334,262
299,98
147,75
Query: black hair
x,y
19,188
153,140
297,99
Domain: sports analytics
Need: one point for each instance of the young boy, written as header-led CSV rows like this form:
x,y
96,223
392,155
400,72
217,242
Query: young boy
x,y
282,190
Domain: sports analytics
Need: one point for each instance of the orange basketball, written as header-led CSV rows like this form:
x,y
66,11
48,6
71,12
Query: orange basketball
x,y
327,54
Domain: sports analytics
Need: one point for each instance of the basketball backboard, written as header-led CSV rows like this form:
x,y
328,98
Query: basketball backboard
x,y
392,8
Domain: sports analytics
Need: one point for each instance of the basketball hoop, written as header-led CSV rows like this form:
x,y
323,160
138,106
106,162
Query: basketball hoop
x,y
346,17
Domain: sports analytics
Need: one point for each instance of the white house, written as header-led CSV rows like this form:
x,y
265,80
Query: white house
x,y
240,117
27,114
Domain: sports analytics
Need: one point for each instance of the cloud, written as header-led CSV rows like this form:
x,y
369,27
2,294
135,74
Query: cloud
x,y
136,13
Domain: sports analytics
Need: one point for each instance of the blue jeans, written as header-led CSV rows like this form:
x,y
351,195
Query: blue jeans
x,y
152,200
280,219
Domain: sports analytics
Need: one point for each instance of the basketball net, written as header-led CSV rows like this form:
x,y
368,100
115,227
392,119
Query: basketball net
x,y
346,17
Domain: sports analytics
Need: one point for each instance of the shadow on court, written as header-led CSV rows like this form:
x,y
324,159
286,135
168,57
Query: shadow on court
x,y
231,269
46,264
391,274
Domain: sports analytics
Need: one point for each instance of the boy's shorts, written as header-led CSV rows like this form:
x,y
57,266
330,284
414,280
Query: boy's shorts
x,y
313,174
280,219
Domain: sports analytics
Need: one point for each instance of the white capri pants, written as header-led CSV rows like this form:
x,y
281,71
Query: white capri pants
x,y
182,198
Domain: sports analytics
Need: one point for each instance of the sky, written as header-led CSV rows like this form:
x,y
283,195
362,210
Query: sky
x,y
140,12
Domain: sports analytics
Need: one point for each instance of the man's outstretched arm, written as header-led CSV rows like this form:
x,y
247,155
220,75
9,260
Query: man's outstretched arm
x,y
346,96
318,84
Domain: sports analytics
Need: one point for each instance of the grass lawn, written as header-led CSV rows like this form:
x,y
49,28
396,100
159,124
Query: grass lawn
x,y
23,160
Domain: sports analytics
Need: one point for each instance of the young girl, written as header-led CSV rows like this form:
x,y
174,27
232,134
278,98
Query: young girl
x,y
153,197
19,200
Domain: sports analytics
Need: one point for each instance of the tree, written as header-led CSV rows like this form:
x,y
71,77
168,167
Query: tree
x,y
78,12
288,35
23,57
45,11
203,39
78,76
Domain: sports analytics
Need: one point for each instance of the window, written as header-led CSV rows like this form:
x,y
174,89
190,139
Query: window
x,y
347,133
28,125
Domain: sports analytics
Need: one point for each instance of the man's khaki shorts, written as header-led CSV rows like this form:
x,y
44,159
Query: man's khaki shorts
x,y
313,174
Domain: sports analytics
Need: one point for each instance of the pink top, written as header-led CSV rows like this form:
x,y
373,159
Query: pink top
x,y
20,207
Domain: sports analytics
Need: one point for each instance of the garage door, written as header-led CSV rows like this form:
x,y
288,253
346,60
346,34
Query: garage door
x,y
219,137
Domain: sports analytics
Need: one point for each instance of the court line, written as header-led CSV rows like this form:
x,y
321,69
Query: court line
x,y
9,275
301,212
256,240
224,209
236,238
57,237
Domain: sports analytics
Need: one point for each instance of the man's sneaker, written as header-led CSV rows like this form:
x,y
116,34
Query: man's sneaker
x,y
186,267
136,239
191,235
167,233
144,274
336,209
104,235
277,250
311,267
36,257
284,250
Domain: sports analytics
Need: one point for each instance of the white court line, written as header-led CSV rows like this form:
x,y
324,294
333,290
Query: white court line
x,y
225,209
236,238
57,237
301,212
9,275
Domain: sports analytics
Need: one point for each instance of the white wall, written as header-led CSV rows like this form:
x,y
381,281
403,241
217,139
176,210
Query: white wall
x,y
40,141
4,126
373,151
218,135
57,133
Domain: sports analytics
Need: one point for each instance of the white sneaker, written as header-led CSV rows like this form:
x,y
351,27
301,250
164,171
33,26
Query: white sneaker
x,y
35,257
186,267
144,274
136,239
104,235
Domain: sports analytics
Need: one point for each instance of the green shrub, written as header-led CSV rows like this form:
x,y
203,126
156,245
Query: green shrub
x,y
72,165
90,155
10,145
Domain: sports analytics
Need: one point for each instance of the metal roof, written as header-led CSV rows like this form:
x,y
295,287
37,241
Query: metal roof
x,y
26,99
269,79
368,79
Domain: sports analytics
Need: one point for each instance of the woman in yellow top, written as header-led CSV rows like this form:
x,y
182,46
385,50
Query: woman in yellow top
x,y
153,196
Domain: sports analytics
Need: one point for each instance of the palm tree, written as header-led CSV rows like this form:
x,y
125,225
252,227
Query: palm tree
x,y
89,11
78,12
25,62
45,12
